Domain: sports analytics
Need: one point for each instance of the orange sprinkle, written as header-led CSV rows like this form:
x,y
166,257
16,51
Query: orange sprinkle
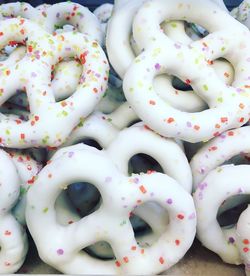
x,y
49,175
213,148
133,248
117,263
217,126
31,181
226,74
196,127
7,233
230,133
152,102
246,241
224,119
142,251
125,259
143,189
170,120
63,103
241,105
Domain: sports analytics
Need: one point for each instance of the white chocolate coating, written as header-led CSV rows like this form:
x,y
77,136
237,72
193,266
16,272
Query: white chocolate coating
x,y
242,238
39,131
13,240
110,222
217,151
189,63
27,169
103,13
227,181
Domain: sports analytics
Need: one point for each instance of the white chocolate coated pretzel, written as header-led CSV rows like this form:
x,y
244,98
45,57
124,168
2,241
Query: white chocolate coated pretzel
x,y
27,169
21,9
103,13
243,238
189,63
153,214
39,131
119,30
227,181
13,240
219,150
110,222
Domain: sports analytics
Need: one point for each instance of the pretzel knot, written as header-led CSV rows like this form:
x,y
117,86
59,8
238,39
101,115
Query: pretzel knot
x,y
13,240
50,122
61,246
228,105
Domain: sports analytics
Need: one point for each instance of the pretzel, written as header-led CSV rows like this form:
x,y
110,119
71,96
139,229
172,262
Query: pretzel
x,y
63,254
218,151
117,38
39,131
228,181
27,169
155,146
71,13
241,12
16,9
242,238
13,240
224,102
103,13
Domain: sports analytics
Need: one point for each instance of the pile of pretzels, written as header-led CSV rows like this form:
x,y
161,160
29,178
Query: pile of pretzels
x,y
124,134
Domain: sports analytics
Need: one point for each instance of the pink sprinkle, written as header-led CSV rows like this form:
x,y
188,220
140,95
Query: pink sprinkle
x,y
60,251
169,201
157,66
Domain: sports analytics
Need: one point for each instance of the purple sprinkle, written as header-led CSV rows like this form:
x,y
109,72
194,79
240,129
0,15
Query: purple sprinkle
x,y
248,266
67,49
192,216
169,201
108,179
177,46
58,15
33,74
136,180
202,186
231,240
248,59
157,66
240,190
60,251
202,170
70,154
189,124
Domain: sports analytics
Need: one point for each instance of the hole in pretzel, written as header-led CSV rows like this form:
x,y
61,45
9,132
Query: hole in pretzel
x,y
65,77
101,250
149,221
143,163
14,112
144,234
89,142
230,210
85,197
240,159
63,27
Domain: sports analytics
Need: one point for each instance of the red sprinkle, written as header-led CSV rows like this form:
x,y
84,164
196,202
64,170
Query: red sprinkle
x,y
161,260
143,189
180,216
